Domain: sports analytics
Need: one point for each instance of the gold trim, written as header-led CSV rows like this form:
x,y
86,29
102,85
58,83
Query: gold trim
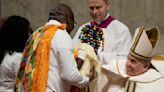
x,y
137,38
130,86
117,67
159,57
139,56
127,85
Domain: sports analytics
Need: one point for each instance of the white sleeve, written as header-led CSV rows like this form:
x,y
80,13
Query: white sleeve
x,y
16,60
67,64
116,66
122,48
125,43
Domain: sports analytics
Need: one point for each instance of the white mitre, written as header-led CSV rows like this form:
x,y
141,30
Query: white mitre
x,y
144,43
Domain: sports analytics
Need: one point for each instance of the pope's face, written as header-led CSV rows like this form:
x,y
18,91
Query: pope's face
x,y
135,66
98,9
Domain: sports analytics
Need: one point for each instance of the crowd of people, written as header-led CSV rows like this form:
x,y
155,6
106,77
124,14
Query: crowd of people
x,y
102,57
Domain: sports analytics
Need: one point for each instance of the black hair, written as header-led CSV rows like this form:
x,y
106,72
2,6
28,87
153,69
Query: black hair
x,y
1,22
13,35
59,10
63,14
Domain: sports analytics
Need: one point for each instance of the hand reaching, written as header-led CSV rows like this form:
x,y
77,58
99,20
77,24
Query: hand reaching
x,y
79,63
93,74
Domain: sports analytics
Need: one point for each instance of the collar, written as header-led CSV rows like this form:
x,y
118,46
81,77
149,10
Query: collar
x,y
149,76
106,17
159,65
52,22
105,22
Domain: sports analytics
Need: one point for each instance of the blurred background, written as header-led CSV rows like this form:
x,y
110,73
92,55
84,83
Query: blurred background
x,y
131,12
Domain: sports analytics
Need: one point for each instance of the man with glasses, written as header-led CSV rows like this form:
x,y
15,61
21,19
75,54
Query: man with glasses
x,y
48,63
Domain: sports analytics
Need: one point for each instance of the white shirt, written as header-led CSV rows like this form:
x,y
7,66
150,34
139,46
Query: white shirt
x,y
8,71
63,70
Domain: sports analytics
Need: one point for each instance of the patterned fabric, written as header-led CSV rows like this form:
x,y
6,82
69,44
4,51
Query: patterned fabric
x,y
93,36
33,73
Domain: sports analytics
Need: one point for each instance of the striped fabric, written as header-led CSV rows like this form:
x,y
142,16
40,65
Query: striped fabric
x,y
33,72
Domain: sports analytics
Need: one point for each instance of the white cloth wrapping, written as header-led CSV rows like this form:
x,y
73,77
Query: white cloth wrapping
x,y
90,61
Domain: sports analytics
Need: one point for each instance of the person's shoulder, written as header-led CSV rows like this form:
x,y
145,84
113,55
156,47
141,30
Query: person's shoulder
x,y
62,34
14,55
119,24
17,56
13,59
62,39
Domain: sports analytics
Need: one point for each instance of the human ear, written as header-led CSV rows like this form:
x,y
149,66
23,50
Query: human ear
x,y
146,66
